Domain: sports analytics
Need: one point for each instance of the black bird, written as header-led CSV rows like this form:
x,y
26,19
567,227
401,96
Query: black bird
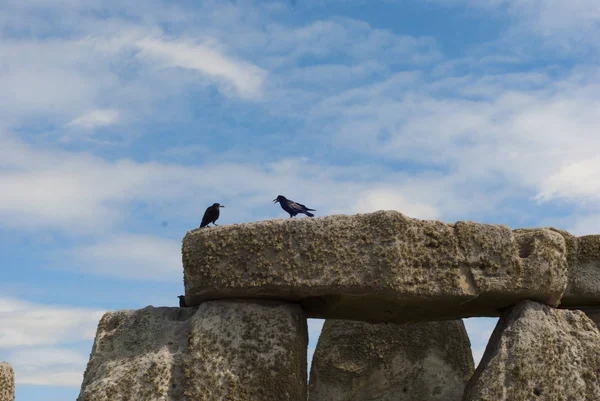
x,y
211,215
182,303
292,207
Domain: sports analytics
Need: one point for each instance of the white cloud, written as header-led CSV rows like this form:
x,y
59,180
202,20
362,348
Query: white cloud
x,y
36,339
577,180
247,79
564,26
28,324
386,199
81,193
582,224
95,118
520,133
141,257
95,79
57,366
356,39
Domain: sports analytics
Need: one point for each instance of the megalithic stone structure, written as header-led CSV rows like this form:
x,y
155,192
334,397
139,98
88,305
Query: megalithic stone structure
x,y
357,361
251,286
377,267
221,351
7,382
539,353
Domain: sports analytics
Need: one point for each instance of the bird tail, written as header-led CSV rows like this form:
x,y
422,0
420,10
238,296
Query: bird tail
x,y
309,214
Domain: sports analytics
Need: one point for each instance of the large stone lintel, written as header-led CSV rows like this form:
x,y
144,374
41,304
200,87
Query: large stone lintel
x,y
377,267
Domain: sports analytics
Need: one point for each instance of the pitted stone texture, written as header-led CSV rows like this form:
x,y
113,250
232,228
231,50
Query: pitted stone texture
x,y
356,361
539,353
584,270
583,260
219,351
7,382
377,267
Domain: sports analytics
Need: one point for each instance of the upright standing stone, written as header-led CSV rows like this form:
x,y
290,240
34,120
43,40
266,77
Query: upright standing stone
x,y
219,351
539,353
355,361
7,382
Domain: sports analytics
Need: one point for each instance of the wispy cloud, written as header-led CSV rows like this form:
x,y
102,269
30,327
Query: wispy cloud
x,y
27,324
576,180
566,27
480,129
78,192
38,341
388,199
56,366
247,79
95,118
140,257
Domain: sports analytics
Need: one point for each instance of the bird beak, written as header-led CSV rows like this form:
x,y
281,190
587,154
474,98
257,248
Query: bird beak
x,y
275,201
221,205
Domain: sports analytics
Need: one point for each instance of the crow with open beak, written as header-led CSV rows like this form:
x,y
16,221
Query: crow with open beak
x,y
293,208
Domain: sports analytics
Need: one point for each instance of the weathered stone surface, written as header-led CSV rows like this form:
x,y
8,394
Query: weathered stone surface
x,y
539,353
219,351
376,267
583,260
356,361
593,314
584,270
7,382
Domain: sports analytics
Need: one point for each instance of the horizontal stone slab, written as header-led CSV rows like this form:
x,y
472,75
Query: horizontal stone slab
x,y
377,267
222,350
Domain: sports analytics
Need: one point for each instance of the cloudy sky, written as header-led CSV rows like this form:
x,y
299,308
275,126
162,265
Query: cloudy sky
x,y
120,122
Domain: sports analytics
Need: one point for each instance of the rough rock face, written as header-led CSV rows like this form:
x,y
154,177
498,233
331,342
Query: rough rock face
x,y
7,382
376,267
356,361
583,260
219,351
539,353
593,314
583,255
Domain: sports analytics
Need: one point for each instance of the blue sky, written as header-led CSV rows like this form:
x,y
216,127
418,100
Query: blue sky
x,y
120,123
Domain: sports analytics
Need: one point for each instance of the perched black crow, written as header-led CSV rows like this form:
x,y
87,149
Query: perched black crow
x,y
182,303
211,215
292,207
